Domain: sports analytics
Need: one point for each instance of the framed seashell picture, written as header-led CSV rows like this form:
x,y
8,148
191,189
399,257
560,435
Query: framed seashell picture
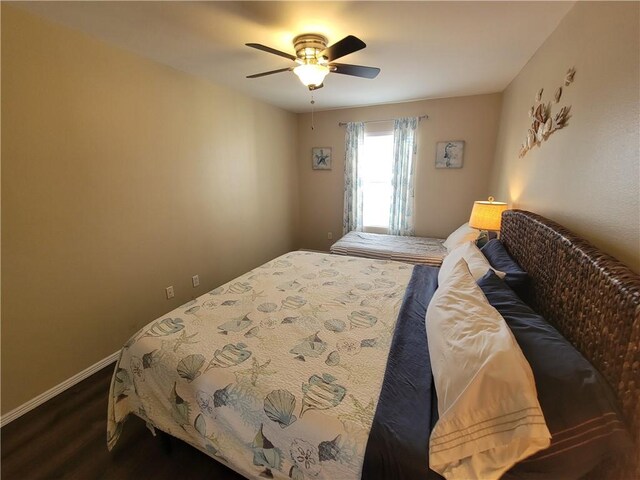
x,y
449,154
321,158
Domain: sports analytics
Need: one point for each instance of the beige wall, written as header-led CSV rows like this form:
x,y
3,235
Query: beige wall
x,y
121,177
443,198
586,176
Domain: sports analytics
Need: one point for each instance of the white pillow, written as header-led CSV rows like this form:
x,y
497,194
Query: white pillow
x,y
477,262
489,415
462,235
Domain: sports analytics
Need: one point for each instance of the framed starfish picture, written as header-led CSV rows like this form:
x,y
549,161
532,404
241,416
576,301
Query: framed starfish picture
x,y
321,158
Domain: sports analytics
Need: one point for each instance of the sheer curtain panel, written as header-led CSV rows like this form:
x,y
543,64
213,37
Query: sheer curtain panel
x,y
352,215
404,151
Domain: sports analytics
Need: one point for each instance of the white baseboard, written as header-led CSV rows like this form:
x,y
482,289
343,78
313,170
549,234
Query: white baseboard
x,y
52,392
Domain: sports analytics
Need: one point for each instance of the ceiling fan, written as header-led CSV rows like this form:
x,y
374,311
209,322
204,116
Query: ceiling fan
x,y
315,60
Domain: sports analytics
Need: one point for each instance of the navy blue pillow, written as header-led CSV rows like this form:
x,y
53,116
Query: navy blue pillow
x,y
578,405
500,259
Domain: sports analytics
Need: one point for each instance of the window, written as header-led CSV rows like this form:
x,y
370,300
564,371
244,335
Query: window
x,y
376,164
379,177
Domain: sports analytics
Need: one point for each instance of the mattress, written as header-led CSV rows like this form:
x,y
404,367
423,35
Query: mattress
x,y
416,250
316,366
277,373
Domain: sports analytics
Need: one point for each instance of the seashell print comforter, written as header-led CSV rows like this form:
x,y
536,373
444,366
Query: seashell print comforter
x,y
277,373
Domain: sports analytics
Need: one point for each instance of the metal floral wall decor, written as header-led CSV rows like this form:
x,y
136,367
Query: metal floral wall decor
x,y
543,121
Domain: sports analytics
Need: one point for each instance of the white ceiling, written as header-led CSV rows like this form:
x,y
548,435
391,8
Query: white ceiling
x,y
425,49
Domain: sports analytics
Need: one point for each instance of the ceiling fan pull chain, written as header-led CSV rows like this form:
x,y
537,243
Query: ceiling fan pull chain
x,y
313,102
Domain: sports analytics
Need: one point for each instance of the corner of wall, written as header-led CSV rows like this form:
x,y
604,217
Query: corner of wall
x,y
575,175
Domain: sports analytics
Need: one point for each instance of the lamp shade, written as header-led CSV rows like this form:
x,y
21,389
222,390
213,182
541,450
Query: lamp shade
x,y
487,215
311,73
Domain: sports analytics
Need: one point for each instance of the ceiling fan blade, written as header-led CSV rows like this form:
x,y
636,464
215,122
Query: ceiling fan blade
x,y
256,75
264,48
355,70
344,47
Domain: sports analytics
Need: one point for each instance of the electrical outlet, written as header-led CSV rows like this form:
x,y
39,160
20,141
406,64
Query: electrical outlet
x,y
195,280
169,291
329,236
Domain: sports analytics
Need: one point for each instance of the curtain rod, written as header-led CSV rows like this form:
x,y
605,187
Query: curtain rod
x,y
342,124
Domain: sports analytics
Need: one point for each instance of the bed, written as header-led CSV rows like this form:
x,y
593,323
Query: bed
x,y
416,250
313,365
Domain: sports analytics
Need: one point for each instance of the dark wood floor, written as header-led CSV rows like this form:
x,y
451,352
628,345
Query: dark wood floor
x,y
66,438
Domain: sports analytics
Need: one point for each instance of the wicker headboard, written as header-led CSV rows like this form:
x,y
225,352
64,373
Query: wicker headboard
x,y
592,298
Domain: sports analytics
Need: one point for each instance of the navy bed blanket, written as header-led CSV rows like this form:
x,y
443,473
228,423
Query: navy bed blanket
x,y
398,445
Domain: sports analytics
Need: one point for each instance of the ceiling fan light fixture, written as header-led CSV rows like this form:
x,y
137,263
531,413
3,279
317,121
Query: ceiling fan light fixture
x,y
310,52
315,59
311,74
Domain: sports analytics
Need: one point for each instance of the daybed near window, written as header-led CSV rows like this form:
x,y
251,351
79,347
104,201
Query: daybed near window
x,y
416,250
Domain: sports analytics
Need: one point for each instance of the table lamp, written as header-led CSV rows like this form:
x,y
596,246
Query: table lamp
x,y
487,215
